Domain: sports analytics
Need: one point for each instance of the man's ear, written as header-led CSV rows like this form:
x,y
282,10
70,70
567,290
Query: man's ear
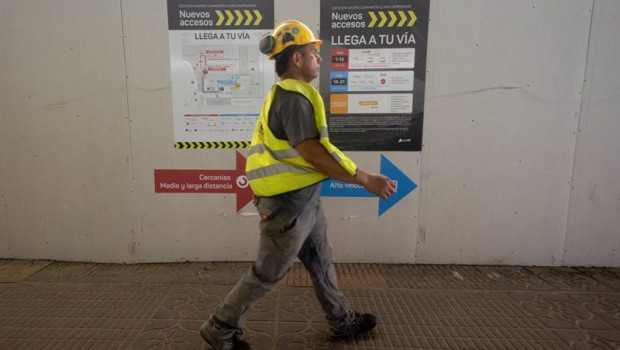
x,y
296,58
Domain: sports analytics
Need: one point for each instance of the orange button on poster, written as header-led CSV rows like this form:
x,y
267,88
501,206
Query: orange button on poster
x,y
339,103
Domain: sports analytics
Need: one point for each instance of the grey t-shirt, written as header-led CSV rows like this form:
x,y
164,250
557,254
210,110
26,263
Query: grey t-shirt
x,y
291,117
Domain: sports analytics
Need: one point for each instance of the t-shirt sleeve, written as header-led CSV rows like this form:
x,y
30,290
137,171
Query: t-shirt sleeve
x,y
297,119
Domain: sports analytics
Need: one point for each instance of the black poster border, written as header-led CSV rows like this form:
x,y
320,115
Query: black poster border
x,y
347,25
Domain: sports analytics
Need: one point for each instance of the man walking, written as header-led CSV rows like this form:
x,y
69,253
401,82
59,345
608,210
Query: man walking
x,y
290,156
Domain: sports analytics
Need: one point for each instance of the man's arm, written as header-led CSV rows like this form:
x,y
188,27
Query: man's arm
x,y
314,153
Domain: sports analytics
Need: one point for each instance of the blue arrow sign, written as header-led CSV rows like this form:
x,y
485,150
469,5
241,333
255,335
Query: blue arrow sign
x,y
404,186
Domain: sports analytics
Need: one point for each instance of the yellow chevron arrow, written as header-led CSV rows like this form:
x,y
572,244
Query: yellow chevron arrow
x,y
239,17
258,17
413,18
403,18
220,17
383,19
374,19
248,14
231,17
393,16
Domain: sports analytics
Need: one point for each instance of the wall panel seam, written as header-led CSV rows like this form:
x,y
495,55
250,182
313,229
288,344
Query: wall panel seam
x,y
5,213
570,217
129,133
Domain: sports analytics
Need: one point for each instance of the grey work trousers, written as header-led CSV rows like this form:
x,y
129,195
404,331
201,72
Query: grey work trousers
x,y
285,235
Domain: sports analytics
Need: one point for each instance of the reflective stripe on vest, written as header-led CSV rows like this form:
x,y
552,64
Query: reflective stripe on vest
x,y
273,165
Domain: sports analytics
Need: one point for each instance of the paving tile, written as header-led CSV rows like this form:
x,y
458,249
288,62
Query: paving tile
x,y
190,302
224,274
569,279
266,310
185,334
605,307
168,334
460,277
63,272
453,319
18,270
592,340
211,273
297,276
299,305
69,272
360,275
161,306
262,335
136,274
513,278
610,277
293,336
48,316
411,319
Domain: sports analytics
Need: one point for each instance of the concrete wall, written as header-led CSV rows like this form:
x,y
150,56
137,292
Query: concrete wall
x,y
503,102
519,166
65,149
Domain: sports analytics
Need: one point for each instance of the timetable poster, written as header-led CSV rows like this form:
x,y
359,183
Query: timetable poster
x,y
219,77
373,73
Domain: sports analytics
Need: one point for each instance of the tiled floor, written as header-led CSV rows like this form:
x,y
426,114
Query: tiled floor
x,y
61,305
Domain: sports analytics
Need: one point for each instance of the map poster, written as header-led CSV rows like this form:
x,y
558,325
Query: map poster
x,y
373,72
219,76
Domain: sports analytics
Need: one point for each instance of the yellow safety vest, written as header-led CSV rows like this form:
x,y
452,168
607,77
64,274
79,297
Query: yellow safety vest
x,y
273,165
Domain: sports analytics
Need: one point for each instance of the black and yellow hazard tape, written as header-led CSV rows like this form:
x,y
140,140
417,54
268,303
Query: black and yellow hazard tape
x,y
200,145
392,19
238,17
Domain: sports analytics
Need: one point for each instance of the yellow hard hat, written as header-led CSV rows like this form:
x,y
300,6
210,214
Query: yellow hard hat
x,y
287,33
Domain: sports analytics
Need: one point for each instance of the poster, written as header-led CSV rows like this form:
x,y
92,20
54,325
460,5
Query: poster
x,y
372,78
219,76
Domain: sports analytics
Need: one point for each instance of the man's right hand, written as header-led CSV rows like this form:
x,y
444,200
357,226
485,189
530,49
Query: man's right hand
x,y
376,184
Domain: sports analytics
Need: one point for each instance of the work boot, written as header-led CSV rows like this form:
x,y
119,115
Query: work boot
x,y
231,343
351,325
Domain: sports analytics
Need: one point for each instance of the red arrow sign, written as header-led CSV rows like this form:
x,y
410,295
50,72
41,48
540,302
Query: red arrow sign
x,y
206,181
